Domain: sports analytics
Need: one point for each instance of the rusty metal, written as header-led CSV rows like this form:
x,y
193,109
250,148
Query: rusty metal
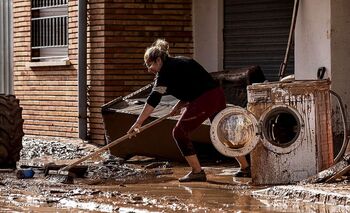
x,y
310,150
287,129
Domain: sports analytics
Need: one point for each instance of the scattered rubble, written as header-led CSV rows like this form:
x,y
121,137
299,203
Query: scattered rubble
x,y
114,185
38,147
324,197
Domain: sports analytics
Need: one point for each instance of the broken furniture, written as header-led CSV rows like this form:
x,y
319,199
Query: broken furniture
x,y
119,114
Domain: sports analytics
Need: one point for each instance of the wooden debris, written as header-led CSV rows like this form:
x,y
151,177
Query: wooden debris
x,y
331,173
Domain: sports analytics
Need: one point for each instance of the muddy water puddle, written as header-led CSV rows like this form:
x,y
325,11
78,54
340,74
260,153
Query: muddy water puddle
x,y
114,186
159,195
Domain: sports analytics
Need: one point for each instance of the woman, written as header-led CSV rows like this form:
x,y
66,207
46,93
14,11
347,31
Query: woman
x,y
197,92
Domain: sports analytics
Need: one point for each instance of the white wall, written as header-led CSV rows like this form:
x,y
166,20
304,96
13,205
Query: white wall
x,y
322,38
207,33
312,39
340,49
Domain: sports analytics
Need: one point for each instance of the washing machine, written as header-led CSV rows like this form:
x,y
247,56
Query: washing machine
x,y
286,130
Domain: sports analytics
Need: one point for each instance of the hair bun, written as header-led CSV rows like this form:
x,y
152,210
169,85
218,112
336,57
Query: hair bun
x,y
159,48
162,45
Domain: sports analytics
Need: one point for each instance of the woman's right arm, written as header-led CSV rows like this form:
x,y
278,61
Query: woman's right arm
x,y
151,103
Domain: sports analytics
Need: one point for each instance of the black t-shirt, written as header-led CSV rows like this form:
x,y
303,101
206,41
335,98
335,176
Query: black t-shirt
x,y
181,77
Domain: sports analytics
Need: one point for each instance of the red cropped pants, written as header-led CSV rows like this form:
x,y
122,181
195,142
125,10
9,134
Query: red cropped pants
x,y
196,112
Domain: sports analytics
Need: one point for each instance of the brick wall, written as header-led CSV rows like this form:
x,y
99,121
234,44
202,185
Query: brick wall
x,y
129,26
118,33
48,95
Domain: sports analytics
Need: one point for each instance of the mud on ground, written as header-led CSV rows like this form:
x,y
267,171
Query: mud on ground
x,y
148,185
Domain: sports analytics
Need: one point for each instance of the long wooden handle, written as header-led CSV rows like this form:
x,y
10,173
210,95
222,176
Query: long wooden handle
x,y
290,37
115,142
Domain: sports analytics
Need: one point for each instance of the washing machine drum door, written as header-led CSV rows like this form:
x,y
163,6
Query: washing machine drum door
x,y
234,132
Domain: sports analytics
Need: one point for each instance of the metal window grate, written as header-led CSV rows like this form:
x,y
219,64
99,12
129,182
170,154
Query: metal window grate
x,y
39,4
50,32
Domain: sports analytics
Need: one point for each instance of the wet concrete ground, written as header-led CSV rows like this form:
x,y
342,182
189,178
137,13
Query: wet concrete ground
x,y
147,185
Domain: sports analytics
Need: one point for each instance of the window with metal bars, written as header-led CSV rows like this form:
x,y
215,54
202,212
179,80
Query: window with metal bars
x,y
49,30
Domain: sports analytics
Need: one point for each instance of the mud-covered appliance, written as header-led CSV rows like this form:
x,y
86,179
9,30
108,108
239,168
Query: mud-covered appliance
x,y
286,128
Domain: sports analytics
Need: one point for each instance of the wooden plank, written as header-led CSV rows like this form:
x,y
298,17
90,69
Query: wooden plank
x,y
327,174
338,174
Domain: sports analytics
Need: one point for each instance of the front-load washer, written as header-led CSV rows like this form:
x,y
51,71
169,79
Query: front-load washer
x,y
286,128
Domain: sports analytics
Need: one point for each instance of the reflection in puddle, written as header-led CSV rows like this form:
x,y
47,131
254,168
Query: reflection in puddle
x,y
151,198
91,206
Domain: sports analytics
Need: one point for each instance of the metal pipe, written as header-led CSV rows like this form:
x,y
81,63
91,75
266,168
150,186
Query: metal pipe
x,y
10,48
82,73
6,47
2,47
345,143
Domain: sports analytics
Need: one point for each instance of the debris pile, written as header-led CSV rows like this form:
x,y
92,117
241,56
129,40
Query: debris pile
x,y
113,172
37,147
320,193
116,170
106,168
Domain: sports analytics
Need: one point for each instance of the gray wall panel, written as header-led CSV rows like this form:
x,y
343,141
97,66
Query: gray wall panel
x,y
6,47
256,33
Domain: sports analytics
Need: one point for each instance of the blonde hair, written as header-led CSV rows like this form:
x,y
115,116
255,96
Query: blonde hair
x,y
159,48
